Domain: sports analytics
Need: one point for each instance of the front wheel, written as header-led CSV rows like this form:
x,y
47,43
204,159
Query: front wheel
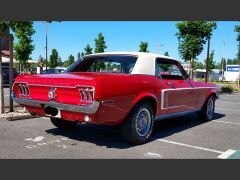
x,y
63,124
207,112
138,126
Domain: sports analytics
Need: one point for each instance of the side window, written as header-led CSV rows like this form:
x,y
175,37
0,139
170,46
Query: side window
x,y
168,69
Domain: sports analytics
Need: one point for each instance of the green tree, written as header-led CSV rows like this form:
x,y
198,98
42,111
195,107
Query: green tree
x,y
88,50
53,60
143,47
234,61
166,54
192,35
60,62
198,65
229,61
23,47
211,62
100,44
237,29
68,62
222,64
78,56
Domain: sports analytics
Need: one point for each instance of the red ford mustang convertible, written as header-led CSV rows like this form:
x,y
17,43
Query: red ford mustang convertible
x,y
128,89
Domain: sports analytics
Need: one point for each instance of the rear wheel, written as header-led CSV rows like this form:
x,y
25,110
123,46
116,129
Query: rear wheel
x,y
207,112
138,126
63,124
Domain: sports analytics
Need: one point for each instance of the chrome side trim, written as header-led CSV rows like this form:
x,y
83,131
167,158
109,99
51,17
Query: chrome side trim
x,y
67,107
108,102
178,89
177,114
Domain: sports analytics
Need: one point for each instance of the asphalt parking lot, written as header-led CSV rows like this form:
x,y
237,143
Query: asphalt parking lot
x,y
178,138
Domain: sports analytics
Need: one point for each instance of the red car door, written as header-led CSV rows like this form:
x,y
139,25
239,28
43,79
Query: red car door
x,y
179,94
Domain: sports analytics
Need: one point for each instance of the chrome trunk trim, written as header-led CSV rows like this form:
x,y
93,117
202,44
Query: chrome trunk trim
x,y
91,109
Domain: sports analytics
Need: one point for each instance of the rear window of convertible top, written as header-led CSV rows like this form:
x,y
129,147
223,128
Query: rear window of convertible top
x,y
106,64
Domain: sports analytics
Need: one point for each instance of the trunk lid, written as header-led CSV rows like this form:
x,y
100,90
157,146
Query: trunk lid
x,y
66,86
65,79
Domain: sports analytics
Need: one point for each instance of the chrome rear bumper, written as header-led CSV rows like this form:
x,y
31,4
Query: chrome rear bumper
x,y
67,107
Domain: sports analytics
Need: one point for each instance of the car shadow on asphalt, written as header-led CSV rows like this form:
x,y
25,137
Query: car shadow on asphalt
x,y
110,136
169,127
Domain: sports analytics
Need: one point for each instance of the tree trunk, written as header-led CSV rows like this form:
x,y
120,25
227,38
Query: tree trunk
x,y
20,68
191,69
189,65
207,61
1,83
10,74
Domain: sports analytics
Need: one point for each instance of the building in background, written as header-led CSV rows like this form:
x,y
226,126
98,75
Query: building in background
x,y
5,62
214,74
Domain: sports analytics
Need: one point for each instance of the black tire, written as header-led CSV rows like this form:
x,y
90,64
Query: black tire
x,y
63,124
203,115
129,127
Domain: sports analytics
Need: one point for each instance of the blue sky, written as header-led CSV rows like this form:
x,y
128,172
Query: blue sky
x,y
71,37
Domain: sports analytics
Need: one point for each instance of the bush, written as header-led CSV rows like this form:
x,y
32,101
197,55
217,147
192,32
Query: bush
x,y
227,89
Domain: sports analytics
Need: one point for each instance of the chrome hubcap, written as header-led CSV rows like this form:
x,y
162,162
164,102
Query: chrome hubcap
x,y
210,108
143,122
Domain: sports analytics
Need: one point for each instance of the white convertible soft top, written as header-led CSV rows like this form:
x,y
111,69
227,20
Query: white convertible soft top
x,y
145,63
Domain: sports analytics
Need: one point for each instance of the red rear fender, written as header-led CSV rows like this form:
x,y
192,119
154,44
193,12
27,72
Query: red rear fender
x,y
148,97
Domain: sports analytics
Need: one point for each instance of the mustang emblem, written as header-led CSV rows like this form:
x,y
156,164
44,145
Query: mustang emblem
x,y
52,94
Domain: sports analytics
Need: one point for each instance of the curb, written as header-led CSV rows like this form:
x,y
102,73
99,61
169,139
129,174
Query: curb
x,y
19,117
15,118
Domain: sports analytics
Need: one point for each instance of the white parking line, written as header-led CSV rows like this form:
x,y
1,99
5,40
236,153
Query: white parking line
x,y
223,155
190,146
230,95
227,102
226,122
227,98
228,109
153,155
226,154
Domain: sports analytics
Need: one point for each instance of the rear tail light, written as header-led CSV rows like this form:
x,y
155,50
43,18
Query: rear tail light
x,y
87,95
23,90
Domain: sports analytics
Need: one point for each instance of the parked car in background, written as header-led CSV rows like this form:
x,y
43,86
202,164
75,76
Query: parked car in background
x,y
6,75
52,71
128,89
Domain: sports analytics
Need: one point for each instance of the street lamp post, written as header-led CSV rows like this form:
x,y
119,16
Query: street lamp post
x,y
46,40
223,61
10,73
46,44
207,61
1,82
158,47
239,74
